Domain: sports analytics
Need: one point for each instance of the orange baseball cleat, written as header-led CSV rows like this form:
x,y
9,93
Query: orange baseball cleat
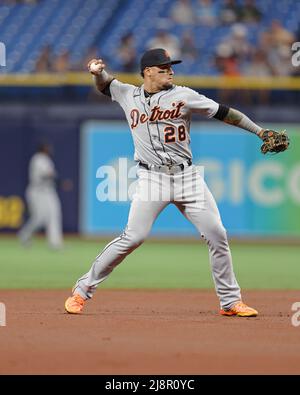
x,y
240,309
74,304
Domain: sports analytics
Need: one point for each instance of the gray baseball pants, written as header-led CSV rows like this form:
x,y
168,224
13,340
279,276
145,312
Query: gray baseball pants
x,y
45,212
155,190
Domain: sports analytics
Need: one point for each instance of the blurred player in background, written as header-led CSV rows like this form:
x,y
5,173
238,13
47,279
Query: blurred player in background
x,y
42,199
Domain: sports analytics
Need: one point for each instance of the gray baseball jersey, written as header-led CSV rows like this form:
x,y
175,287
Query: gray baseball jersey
x,y
41,171
160,123
160,126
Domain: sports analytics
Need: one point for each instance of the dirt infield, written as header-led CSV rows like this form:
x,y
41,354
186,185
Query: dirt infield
x,y
148,332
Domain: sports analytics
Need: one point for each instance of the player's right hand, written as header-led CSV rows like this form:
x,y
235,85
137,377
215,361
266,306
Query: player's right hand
x,y
95,66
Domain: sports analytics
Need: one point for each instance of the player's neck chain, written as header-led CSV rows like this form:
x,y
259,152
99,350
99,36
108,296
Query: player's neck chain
x,y
149,94
148,97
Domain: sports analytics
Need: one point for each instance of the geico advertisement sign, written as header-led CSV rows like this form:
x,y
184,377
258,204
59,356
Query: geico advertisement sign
x,y
267,183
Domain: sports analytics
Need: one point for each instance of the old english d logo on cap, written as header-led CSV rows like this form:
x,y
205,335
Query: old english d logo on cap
x,y
167,54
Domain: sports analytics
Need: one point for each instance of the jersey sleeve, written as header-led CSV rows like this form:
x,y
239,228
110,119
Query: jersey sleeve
x,y
120,91
201,104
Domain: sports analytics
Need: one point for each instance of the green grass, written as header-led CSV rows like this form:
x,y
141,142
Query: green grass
x,y
153,265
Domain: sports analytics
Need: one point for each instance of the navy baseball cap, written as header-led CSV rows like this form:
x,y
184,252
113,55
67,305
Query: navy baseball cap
x,y
156,57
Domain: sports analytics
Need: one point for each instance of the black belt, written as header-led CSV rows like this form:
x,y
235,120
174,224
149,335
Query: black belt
x,y
166,167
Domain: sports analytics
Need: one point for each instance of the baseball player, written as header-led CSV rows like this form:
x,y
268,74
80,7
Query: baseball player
x,y
159,115
42,199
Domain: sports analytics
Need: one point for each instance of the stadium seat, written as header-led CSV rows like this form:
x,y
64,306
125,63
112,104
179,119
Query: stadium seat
x,y
76,26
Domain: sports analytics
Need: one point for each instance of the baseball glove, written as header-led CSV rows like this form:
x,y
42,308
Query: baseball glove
x,y
274,142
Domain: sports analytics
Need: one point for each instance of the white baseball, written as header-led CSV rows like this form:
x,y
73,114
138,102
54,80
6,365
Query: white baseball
x,y
95,68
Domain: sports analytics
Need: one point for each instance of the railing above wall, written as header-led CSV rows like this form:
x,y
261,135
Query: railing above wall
x,y
85,79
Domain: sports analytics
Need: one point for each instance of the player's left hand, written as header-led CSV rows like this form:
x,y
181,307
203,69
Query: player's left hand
x,y
274,142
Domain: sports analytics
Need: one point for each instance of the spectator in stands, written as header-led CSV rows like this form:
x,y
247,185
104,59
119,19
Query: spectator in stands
x,y
249,13
165,40
61,63
239,45
259,65
127,54
276,42
182,13
230,12
276,36
188,47
226,60
44,61
206,13
280,60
